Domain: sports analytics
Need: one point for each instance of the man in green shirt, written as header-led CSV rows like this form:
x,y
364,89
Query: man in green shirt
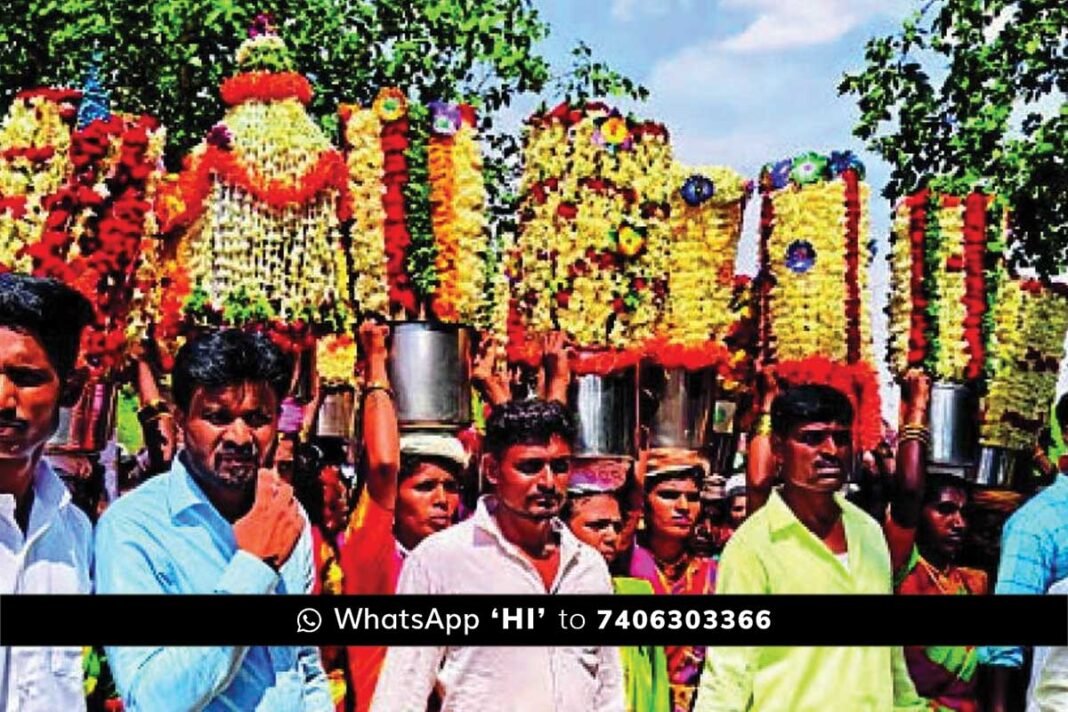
x,y
808,539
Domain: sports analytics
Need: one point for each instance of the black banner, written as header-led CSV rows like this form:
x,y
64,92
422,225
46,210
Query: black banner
x,y
533,620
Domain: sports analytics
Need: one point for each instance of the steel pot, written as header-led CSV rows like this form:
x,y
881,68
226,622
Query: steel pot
x,y
430,371
952,420
605,407
336,414
682,406
998,467
88,425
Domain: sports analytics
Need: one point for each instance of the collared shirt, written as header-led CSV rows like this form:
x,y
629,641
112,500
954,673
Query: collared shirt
x,y
774,553
1048,691
474,557
54,556
1034,554
166,537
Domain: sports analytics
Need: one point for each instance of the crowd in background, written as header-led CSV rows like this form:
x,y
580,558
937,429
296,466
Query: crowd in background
x,y
233,494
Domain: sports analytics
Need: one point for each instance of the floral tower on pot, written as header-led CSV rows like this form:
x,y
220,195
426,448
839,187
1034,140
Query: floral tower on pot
x,y
815,321
946,268
419,245
76,188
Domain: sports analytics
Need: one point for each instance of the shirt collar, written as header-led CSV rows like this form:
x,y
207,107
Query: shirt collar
x,y
780,516
183,491
484,520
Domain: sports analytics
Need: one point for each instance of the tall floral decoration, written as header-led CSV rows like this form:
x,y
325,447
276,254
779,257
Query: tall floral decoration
x,y
945,263
590,258
419,237
814,271
700,309
1030,320
76,205
258,208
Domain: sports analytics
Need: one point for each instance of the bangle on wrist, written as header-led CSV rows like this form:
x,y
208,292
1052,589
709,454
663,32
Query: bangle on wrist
x,y
763,425
372,386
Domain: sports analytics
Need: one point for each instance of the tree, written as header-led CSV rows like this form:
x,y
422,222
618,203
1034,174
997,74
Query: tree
x,y
970,94
166,57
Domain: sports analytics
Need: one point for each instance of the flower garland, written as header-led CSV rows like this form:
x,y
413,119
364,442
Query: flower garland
x,y
392,109
35,141
944,268
335,359
458,197
266,87
591,254
706,223
266,253
422,254
362,130
815,316
1030,323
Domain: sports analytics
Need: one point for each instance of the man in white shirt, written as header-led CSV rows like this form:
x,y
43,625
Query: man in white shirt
x,y
514,544
1048,691
45,541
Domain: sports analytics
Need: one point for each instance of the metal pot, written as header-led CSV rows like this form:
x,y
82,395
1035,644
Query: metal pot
x,y
952,420
998,467
605,409
683,406
89,423
336,414
430,371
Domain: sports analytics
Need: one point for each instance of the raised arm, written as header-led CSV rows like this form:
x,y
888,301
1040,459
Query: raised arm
x,y
380,433
910,475
760,464
556,358
491,383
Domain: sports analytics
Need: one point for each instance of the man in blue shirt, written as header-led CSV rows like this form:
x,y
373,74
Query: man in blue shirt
x,y
217,522
1034,555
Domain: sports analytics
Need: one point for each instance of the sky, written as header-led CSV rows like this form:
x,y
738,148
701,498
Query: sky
x,y
741,83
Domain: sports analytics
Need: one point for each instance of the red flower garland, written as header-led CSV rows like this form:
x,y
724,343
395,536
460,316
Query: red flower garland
x,y
857,381
765,282
194,185
917,205
852,255
265,87
394,141
975,281
603,363
692,358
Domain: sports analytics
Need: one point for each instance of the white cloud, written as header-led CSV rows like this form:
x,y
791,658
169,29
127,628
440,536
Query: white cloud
x,y
785,24
627,10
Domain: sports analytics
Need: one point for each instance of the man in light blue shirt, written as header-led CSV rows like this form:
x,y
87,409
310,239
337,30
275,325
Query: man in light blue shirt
x,y
217,522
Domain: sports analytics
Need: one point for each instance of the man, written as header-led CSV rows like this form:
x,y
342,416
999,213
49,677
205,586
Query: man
x,y
1048,691
1034,554
218,522
45,540
807,540
665,557
514,544
595,519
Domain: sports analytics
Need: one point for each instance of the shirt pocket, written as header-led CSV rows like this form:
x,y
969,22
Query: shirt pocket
x,y
49,679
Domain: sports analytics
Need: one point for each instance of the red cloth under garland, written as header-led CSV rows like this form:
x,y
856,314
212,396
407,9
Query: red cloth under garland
x,y
858,381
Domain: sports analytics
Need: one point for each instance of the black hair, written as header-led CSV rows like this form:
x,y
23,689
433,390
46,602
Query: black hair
x,y
809,403
48,310
567,510
1061,411
229,357
938,483
527,422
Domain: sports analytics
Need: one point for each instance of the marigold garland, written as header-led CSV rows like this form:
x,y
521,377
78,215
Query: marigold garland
x,y
814,280
590,258
335,359
944,269
1027,345
265,255
266,87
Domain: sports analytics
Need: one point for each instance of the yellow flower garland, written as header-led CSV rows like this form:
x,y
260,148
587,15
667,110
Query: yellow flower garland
x,y
470,228
557,277
701,256
335,359
900,301
34,122
952,359
1019,394
362,130
807,309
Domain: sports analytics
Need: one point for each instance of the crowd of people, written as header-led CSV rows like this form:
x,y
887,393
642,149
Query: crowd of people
x,y
228,501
